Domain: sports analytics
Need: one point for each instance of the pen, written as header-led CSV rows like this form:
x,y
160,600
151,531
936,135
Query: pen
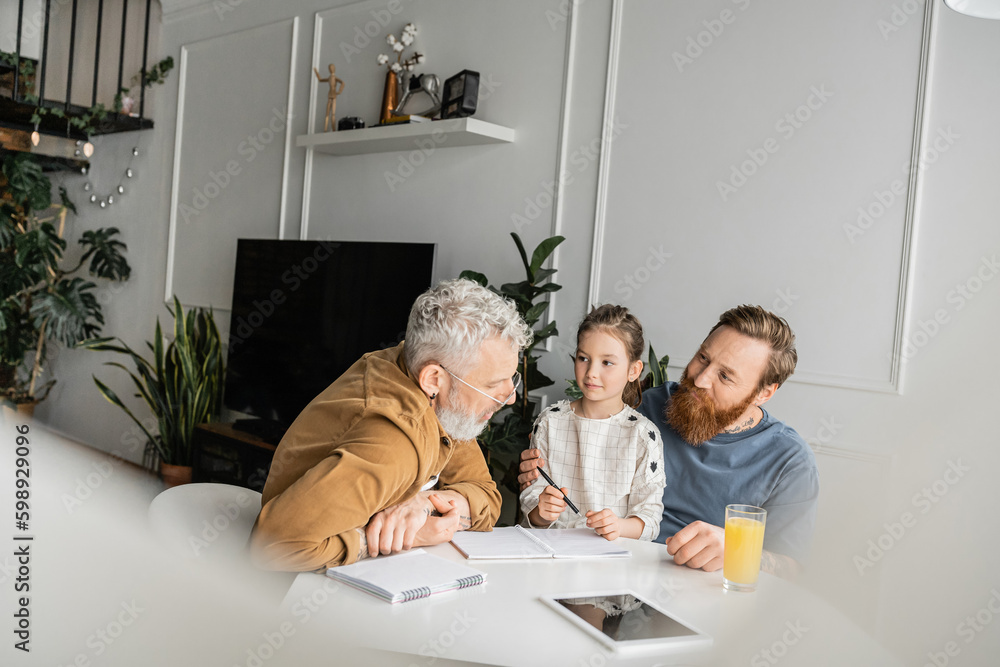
x,y
565,497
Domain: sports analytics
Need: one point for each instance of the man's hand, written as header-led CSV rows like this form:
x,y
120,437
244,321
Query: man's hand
x,y
410,523
604,523
698,545
531,459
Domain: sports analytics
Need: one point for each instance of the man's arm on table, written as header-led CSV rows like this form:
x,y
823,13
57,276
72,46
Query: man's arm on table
x,y
465,485
428,518
312,524
701,546
698,545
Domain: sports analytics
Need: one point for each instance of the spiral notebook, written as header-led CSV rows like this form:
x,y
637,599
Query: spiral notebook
x,y
519,542
406,576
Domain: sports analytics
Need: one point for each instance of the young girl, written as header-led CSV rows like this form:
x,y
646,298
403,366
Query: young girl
x,y
609,457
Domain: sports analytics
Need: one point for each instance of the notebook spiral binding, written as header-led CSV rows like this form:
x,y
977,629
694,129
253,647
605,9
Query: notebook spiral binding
x,y
416,593
474,580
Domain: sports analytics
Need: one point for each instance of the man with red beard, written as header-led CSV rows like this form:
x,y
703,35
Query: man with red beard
x,y
720,446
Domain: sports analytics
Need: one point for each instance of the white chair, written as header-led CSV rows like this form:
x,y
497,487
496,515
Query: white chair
x,y
204,521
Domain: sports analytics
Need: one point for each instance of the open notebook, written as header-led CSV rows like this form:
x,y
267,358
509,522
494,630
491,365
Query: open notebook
x,y
406,576
519,542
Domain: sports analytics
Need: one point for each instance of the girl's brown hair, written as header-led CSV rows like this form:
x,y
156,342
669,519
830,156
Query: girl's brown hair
x,y
616,321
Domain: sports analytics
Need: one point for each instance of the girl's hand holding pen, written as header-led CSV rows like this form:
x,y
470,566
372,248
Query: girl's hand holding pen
x,y
551,504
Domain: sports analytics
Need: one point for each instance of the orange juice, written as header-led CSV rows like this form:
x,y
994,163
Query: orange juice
x,y
744,541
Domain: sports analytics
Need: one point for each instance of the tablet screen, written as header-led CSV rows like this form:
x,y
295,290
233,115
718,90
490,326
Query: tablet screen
x,y
622,619
625,618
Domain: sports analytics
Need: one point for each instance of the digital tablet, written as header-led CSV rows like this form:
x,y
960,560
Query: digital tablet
x,y
625,622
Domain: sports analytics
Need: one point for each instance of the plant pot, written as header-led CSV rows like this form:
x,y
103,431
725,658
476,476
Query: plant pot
x,y
174,475
21,410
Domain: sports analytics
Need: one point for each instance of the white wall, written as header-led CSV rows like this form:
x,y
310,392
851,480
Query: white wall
x,y
876,449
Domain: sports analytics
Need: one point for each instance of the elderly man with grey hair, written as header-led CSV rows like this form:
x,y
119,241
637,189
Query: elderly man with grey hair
x,y
385,458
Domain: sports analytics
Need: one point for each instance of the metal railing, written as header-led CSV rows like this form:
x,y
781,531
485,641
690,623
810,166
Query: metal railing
x,y
73,57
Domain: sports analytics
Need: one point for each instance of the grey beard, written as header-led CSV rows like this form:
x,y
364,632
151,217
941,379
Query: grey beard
x,y
459,425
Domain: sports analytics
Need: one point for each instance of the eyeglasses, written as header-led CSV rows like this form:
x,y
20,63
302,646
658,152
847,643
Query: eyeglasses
x,y
516,379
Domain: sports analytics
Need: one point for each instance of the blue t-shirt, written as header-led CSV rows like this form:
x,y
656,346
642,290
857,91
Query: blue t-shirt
x,y
769,466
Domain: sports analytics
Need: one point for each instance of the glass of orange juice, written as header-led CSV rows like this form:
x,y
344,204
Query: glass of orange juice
x,y
744,542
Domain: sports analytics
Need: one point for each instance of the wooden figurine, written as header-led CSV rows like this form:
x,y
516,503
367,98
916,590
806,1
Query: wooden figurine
x,y
336,88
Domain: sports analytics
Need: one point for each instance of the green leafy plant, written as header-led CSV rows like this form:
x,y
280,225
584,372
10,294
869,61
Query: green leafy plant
x,y
656,374
156,74
44,302
181,385
26,74
89,121
507,436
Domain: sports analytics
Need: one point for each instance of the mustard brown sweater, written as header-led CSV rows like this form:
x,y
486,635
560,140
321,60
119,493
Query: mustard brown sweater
x,y
368,442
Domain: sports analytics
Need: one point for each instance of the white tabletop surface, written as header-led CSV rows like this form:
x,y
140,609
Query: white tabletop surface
x,y
504,623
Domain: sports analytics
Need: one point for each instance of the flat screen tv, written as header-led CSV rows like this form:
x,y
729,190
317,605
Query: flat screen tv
x,y
304,311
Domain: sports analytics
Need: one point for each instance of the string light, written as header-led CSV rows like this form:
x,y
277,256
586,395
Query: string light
x,y
103,201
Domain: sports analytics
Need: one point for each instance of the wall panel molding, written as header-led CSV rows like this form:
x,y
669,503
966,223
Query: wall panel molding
x,y
889,343
230,173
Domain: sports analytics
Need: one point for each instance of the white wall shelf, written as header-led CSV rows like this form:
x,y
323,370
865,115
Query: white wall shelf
x,y
444,133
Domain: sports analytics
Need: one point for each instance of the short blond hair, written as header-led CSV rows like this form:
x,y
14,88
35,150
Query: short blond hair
x,y
763,325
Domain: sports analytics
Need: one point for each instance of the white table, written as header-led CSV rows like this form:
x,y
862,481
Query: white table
x,y
504,623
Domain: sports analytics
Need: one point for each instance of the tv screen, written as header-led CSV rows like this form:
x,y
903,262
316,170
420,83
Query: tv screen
x,y
304,311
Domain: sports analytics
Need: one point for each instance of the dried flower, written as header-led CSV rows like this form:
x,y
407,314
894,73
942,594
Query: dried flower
x,y
398,45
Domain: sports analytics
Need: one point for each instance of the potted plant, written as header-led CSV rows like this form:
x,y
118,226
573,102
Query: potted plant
x,y
42,301
182,385
507,436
